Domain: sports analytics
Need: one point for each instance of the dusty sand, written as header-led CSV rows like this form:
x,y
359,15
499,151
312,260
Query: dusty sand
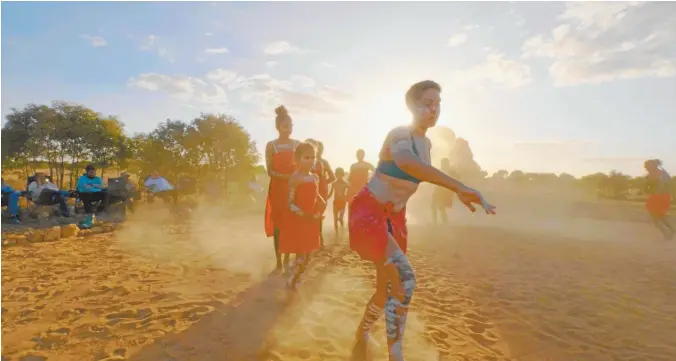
x,y
549,281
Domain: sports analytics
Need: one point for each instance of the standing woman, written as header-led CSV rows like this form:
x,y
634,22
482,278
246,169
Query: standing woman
x,y
659,201
280,163
377,218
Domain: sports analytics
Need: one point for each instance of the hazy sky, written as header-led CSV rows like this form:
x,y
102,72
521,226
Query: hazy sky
x,y
545,87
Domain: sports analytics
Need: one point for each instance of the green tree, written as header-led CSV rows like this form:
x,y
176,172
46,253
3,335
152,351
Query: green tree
x,y
105,142
501,174
518,177
618,184
597,182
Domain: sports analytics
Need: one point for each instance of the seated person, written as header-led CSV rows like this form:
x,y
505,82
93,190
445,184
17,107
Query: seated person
x,y
45,193
10,199
91,190
256,190
122,190
160,187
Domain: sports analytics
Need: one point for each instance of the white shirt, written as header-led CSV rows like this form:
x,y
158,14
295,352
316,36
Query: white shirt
x,y
159,184
34,189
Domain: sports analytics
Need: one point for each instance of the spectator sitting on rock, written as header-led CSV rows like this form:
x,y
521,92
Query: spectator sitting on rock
x,y
10,199
122,191
91,190
160,187
45,193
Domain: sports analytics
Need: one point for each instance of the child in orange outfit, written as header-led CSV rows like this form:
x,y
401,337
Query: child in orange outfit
x,y
339,190
301,229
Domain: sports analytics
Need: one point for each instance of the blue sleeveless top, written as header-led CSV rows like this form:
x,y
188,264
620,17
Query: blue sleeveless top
x,y
390,168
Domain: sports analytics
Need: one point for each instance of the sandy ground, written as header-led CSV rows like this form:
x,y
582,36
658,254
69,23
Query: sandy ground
x,y
548,281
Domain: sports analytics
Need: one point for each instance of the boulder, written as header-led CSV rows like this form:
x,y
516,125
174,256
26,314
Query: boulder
x,y
53,234
35,236
71,230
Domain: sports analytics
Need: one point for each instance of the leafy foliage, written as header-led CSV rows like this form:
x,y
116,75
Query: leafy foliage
x,y
67,136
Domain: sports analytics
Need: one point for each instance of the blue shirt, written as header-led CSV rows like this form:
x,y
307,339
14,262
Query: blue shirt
x,y
84,180
6,188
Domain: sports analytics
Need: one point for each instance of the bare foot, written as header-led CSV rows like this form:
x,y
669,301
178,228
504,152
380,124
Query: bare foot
x,y
360,348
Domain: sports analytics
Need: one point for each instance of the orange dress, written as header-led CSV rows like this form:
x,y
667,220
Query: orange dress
x,y
301,234
283,162
658,204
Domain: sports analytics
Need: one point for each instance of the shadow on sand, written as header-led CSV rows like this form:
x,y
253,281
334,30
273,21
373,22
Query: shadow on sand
x,y
239,330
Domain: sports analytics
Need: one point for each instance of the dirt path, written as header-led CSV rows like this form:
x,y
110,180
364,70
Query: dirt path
x,y
199,293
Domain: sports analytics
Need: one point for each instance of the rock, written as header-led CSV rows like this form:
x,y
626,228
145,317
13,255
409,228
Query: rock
x,y
69,231
53,234
97,230
84,232
21,240
35,236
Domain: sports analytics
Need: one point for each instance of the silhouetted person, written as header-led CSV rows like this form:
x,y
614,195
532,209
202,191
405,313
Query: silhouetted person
x,y
659,200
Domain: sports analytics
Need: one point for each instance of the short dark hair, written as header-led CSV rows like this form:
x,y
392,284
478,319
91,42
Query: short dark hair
x,y
340,172
303,147
415,91
90,167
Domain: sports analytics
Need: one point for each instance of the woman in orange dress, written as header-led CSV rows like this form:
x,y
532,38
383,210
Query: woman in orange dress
x,y
305,207
280,162
659,201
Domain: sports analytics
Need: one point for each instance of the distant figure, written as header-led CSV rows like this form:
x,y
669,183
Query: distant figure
x,y
442,198
377,216
462,161
659,201
305,207
323,170
160,187
339,191
256,191
10,199
280,163
359,174
91,190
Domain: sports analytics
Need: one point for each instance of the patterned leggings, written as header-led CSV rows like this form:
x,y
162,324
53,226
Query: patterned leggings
x,y
396,309
302,261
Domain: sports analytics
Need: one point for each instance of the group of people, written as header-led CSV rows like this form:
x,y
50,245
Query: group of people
x,y
91,192
376,203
